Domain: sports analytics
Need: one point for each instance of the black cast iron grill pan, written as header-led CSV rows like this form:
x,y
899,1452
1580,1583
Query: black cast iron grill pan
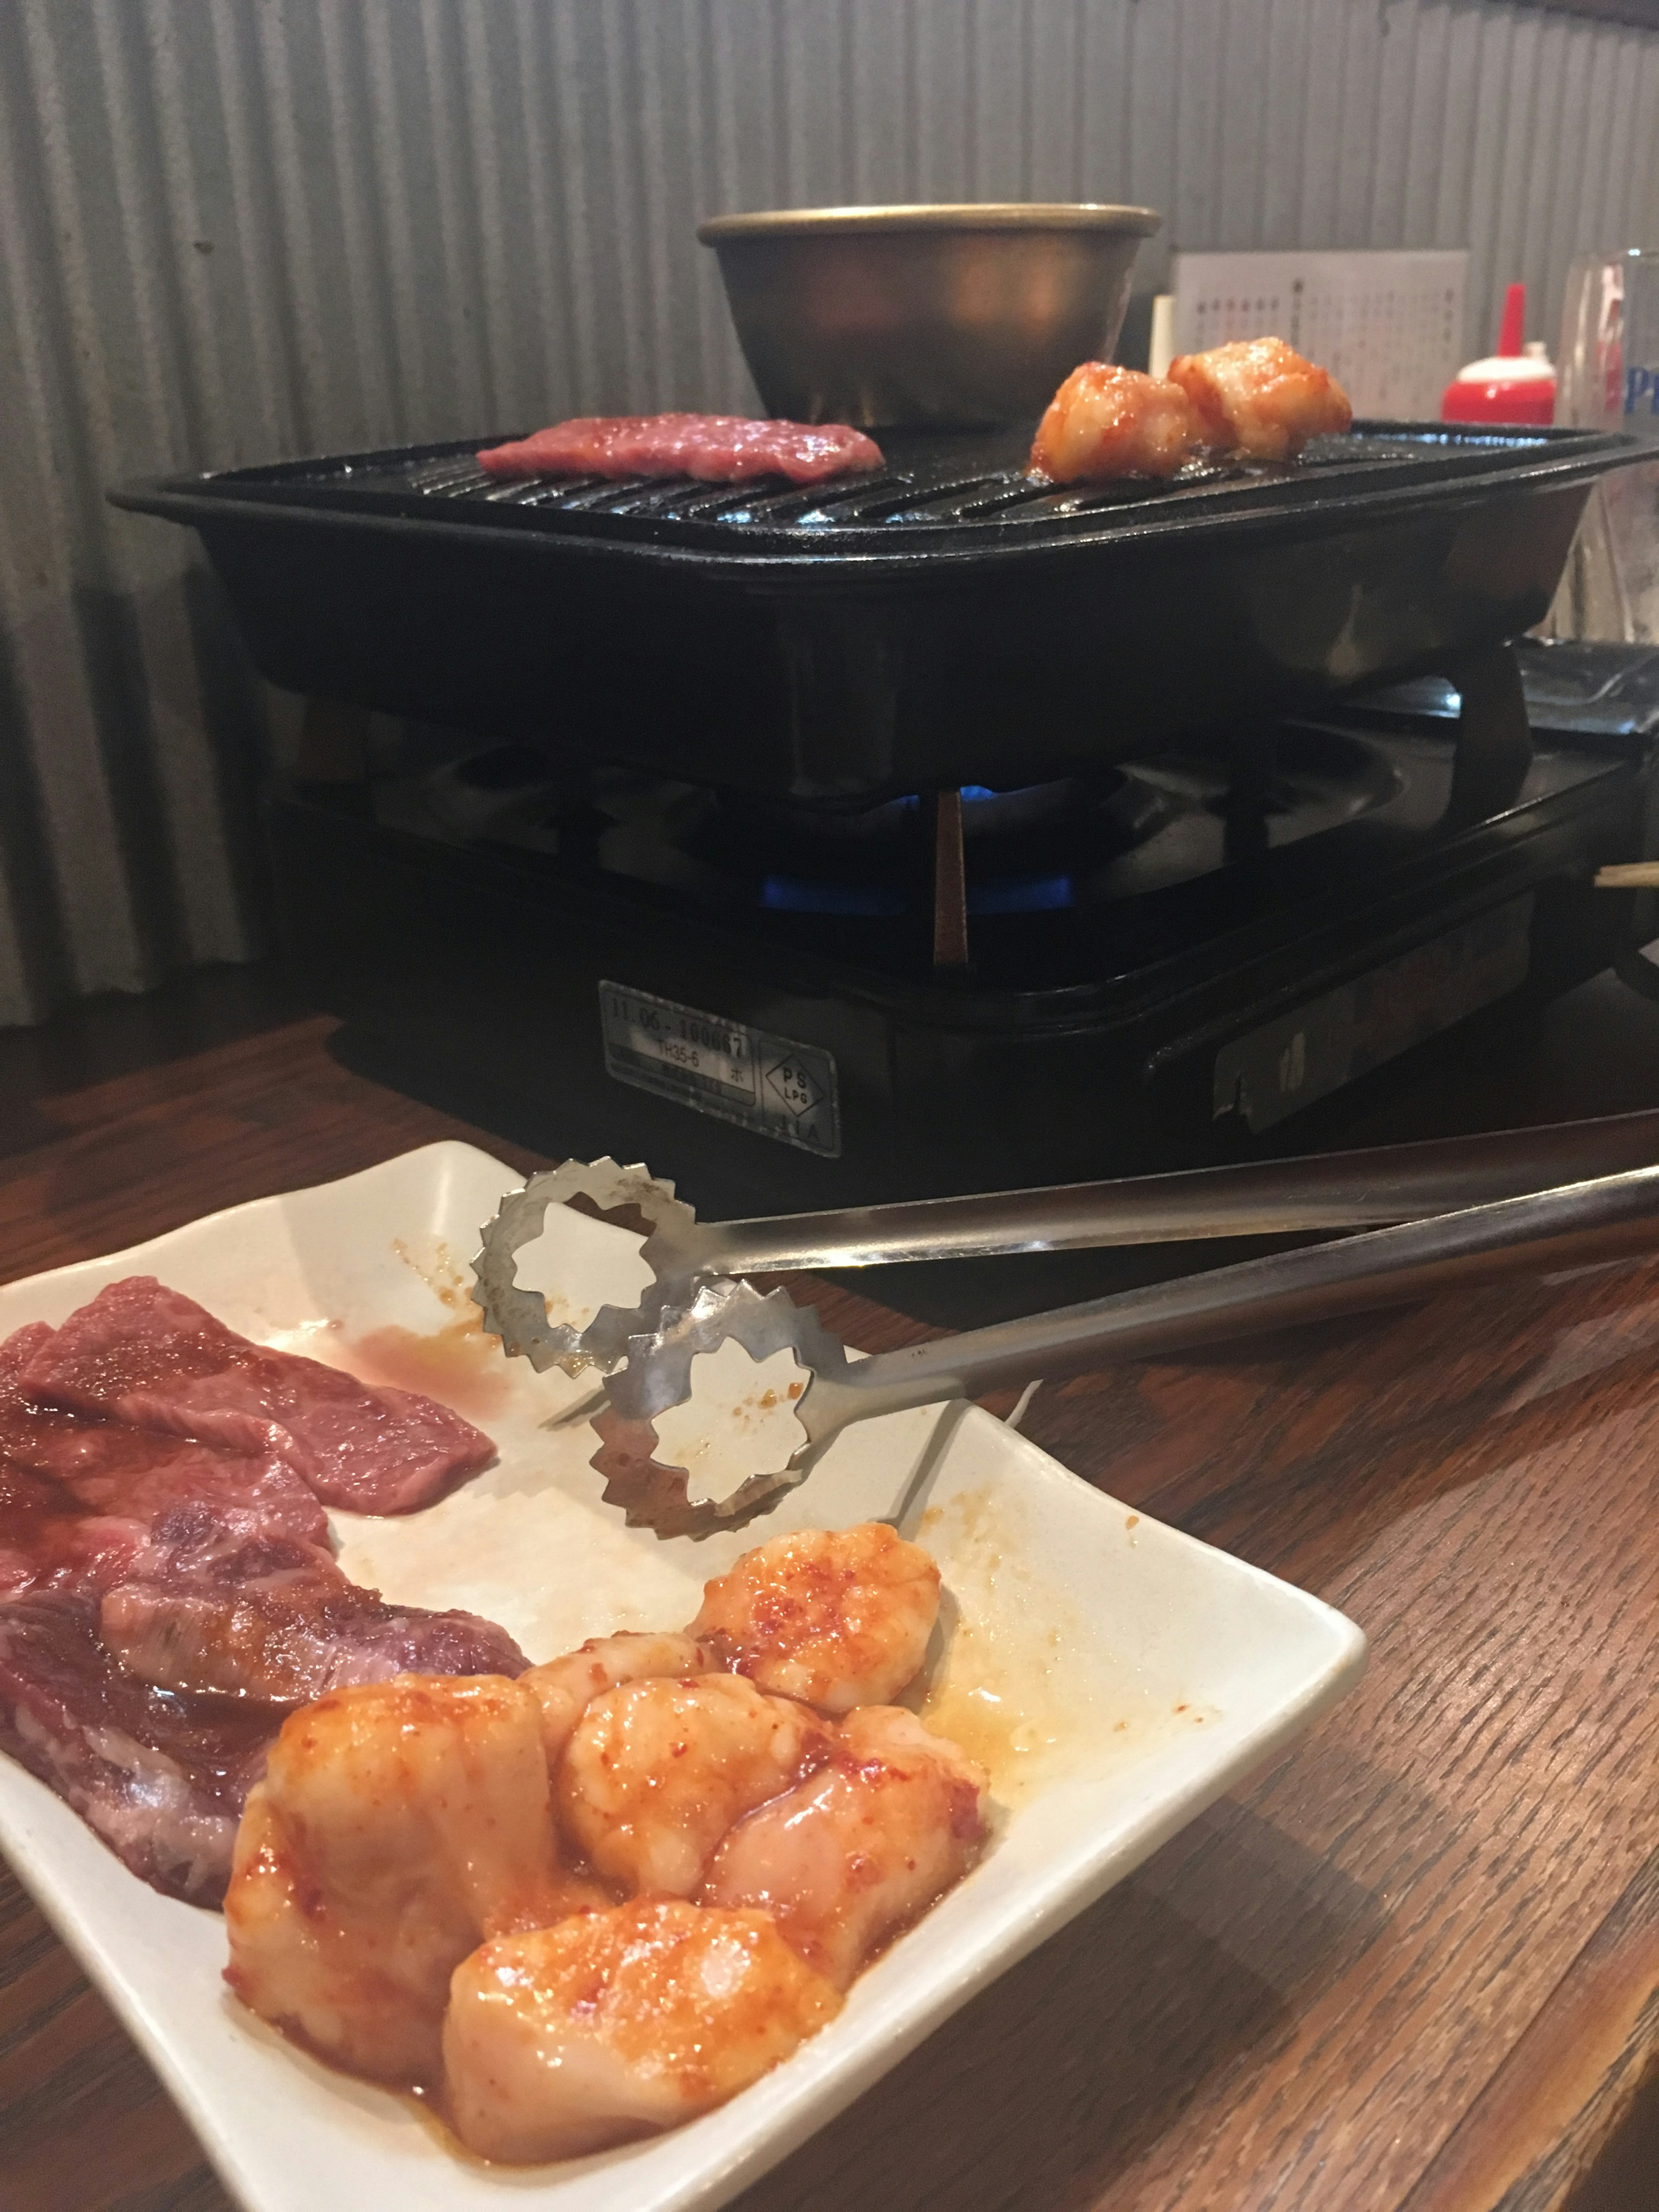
x,y
945,621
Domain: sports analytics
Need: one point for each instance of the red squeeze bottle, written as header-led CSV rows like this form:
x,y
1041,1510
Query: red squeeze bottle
x,y
1514,385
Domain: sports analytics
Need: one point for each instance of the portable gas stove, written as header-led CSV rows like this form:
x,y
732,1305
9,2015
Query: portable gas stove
x,y
1151,962
938,828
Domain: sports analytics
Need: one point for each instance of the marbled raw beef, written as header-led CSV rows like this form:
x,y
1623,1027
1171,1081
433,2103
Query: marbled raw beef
x,y
147,1355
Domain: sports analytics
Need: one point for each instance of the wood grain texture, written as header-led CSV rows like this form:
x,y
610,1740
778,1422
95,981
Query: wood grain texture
x,y
1413,1967
1580,2078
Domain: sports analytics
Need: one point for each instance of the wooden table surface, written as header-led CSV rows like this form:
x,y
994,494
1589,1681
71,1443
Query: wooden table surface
x,y
1412,1967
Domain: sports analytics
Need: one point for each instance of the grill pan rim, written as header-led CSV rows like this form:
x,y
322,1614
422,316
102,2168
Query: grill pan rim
x,y
1539,461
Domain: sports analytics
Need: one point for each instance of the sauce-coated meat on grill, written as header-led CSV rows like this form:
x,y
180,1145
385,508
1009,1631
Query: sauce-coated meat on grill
x,y
1255,400
1106,421
1259,399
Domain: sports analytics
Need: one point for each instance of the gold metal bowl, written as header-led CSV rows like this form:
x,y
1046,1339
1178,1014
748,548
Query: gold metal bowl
x,y
951,316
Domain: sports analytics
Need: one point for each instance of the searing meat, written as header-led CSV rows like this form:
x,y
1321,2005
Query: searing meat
x,y
142,1354
161,1780
838,1618
851,1855
1106,421
398,1826
655,1772
1256,398
1259,399
715,448
567,1687
213,1605
618,2024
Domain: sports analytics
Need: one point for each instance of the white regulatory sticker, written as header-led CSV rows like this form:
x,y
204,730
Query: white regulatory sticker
x,y
768,1084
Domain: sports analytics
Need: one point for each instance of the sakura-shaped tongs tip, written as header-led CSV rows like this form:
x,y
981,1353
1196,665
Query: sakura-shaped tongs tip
x,y
629,1197
639,1477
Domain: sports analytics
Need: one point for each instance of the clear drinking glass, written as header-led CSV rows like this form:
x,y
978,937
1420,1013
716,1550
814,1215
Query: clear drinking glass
x,y
1607,378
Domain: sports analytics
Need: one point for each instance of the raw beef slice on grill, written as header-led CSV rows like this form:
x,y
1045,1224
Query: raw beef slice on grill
x,y
713,448
146,1355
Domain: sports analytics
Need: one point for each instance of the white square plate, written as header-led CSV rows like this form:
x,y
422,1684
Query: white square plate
x,y
1116,1675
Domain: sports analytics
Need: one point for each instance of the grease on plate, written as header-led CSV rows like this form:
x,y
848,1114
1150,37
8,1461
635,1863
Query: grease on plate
x,y
458,1364
1011,1686
1006,1679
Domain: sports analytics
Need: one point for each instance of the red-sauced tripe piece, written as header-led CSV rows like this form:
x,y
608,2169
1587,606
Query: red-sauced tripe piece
x,y
146,1355
715,448
399,1825
1259,399
618,2023
656,1770
861,1848
1106,421
838,1617
565,1687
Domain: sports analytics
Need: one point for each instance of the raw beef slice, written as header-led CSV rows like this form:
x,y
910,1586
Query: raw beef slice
x,y
213,1605
149,1356
77,1497
163,1602
160,1778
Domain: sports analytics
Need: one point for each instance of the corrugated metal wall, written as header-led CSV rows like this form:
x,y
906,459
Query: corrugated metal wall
x,y
232,229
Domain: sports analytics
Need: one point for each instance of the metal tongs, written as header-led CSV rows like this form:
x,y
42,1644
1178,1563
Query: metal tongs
x,y
1467,1210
